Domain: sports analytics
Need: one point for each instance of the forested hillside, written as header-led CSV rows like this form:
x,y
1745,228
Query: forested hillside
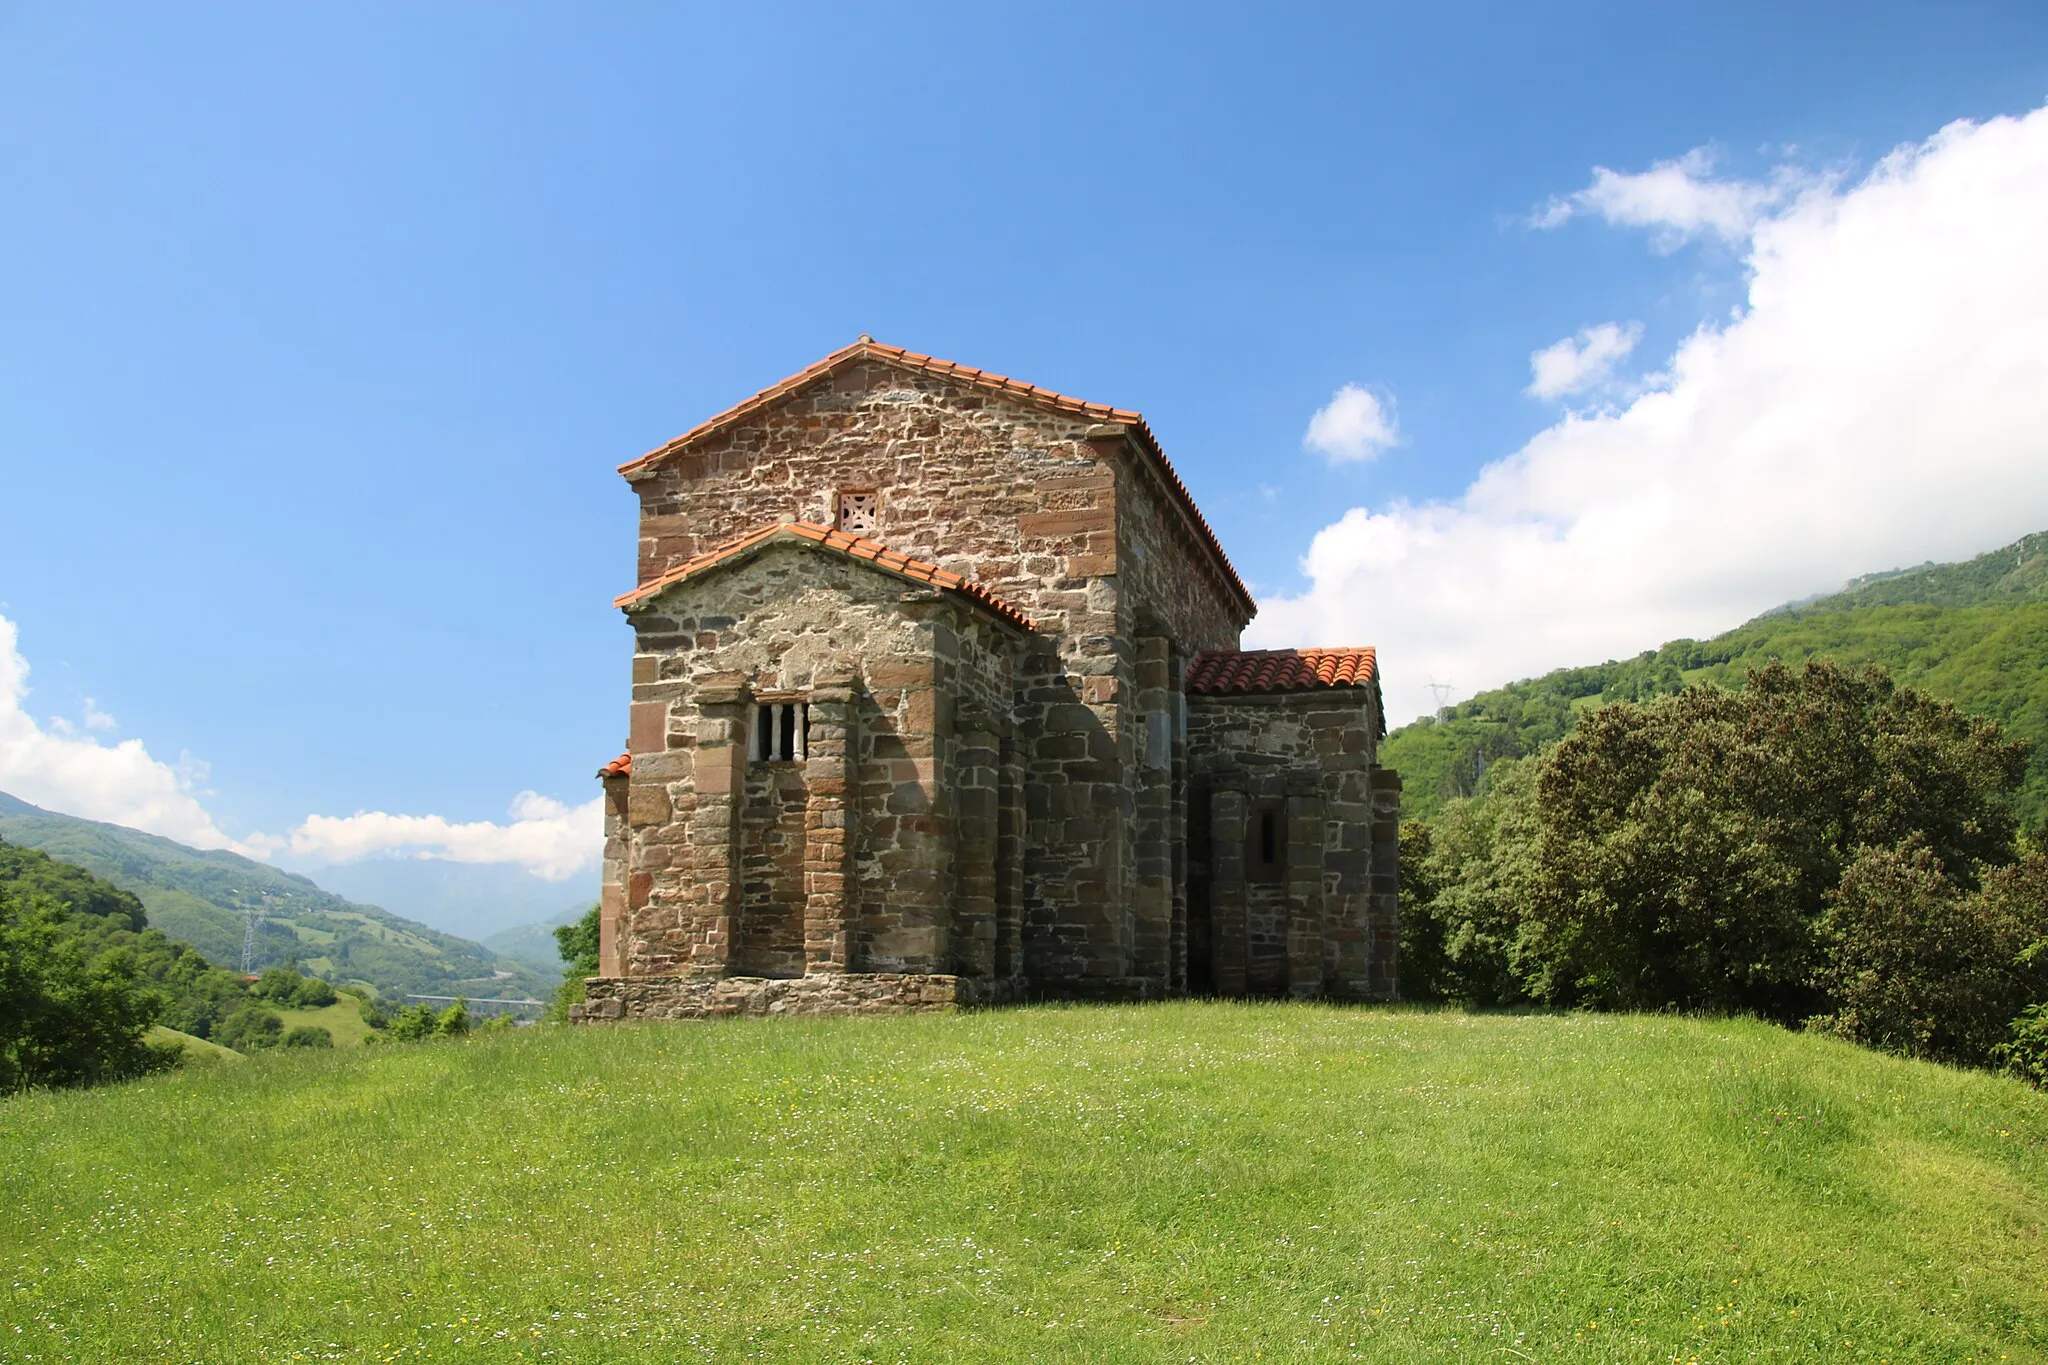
x,y
1975,633
202,898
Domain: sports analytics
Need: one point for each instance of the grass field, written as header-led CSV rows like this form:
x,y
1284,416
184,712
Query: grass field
x,y
196,1049
1166,1183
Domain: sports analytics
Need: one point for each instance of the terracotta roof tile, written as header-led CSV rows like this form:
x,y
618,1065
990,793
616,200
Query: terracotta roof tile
x,y
869,349
1222,671
622,766
852,546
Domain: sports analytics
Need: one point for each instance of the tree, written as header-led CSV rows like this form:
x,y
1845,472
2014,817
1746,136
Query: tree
x,y
250,1028
308,1035
577,942
313,993
1915,964
1460,894
453,1022
412,1024
1683,852
67,1019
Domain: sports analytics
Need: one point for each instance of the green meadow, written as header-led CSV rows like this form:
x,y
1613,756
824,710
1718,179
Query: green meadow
x,y
1205,1182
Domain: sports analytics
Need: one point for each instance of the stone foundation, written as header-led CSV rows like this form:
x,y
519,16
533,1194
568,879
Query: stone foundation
x,y
716,997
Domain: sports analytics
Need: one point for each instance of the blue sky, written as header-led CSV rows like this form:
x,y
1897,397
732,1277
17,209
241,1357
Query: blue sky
x,y
322,328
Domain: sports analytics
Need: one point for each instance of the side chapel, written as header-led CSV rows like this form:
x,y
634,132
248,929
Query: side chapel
x,y
937,700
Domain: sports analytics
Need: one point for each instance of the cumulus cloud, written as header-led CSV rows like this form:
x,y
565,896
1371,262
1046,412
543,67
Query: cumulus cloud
x,y
1577,364
62,769
1881,399
551,840
1353,426
1679,200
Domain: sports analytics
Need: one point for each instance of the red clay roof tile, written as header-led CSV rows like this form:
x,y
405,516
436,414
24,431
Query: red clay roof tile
x,y
868,348
622,766
852,546
1222,671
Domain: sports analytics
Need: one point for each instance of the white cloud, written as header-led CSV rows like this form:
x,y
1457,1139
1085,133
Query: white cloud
x,y
1679,199
123,784
62,769
1576,364
1353,426
551,840
1881,400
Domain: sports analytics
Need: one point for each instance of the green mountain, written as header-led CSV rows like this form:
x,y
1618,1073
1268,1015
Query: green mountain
x,y
1975,633
204,898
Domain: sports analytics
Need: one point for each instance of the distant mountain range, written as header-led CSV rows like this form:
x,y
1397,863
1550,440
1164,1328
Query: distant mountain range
x,y
1975,633
475,900
203,898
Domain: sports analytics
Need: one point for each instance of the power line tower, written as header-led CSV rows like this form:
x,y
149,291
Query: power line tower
x,y
254,908
1442,692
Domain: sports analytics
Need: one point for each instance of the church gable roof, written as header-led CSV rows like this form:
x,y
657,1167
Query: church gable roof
x,y
867,348
838,542
1224,672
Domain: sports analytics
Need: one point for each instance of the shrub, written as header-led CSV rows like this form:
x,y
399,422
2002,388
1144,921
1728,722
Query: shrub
x,y
2025,1052
412,1024
308,1035
313,993
279,983
1915,964
453,1022
249,1028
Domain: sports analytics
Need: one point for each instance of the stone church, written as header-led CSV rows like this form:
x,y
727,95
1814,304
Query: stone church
x,y
937,700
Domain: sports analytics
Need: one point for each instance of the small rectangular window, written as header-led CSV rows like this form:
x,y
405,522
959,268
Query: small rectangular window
x,y
1265,853
780,731
858,512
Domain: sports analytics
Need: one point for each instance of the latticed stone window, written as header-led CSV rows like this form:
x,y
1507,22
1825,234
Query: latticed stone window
x,y
857,512
780,731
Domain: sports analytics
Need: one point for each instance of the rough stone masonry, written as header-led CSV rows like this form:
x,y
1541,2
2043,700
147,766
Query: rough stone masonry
x,y
937,701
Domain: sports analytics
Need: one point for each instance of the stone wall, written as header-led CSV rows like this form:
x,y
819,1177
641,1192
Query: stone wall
x,y
855,856
613,998
1294,873
1066,520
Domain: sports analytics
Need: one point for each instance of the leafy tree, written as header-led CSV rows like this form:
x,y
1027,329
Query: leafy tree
x,y
412,1024
1684,850
250,1028
453,1022
308,1035
67,1019
1914,963
313,993
1460,905
577,942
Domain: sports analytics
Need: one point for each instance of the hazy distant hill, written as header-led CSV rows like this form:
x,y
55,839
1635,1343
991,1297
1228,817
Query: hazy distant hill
x,y
534,943
202,898
1975,633
475,900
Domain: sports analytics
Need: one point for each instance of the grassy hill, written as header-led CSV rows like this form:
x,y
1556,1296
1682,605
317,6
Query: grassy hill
x,y
201,898
1975,633
1157,1183
343,1020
